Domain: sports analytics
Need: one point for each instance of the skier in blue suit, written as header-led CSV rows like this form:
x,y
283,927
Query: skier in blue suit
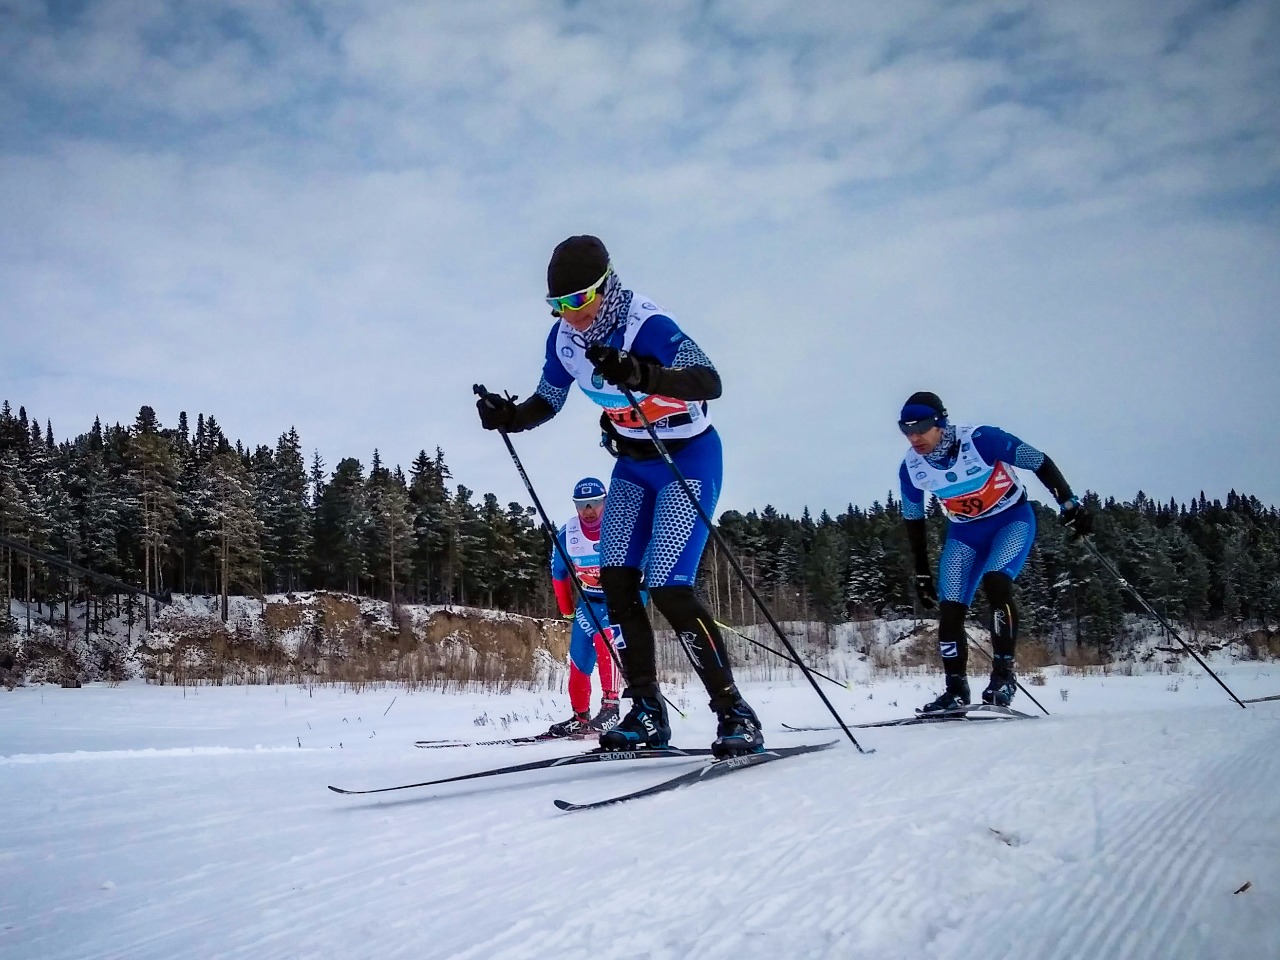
x,y
607,337
971,470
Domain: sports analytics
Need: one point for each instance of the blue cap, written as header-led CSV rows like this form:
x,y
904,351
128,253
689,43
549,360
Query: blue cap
x,y
588,488
922,405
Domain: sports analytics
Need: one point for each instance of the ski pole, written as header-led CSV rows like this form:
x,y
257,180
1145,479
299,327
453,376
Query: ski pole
x,y
166,597
1126,585
779,653
720,542
479,390
987,653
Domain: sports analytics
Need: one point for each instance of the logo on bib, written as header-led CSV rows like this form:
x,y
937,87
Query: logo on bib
x,y
597,381
951,477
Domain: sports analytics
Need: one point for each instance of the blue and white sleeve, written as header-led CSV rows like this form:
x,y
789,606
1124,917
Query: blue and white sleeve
x,y
912,496
556,380
677,366
996,444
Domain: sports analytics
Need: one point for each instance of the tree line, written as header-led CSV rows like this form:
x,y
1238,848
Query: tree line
x,y
187,510
1201,563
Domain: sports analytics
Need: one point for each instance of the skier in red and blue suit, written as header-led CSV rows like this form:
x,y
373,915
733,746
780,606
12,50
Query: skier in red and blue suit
x,y
580,542
607,337
991,528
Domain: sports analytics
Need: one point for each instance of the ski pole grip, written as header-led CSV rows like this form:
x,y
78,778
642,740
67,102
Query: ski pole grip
x,y
478,389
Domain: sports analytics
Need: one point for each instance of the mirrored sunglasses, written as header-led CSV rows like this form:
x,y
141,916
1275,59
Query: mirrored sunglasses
x,y
923,425
593,502
578,300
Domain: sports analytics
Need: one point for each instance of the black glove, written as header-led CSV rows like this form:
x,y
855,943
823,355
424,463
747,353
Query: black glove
x,y
617,366
496,412
926,591
1076,519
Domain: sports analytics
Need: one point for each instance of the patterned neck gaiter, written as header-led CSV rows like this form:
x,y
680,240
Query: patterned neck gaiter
x,y
944,454
613,312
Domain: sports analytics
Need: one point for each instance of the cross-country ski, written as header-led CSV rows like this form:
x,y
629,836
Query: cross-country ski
x,y
976,712
591,756
717,768
507,741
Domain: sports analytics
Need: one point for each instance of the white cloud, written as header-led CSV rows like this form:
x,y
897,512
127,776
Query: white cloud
x,y
338,217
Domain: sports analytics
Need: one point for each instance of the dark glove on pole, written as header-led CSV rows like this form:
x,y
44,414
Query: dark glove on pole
x,y
496,412
618,367
1077,520
926,591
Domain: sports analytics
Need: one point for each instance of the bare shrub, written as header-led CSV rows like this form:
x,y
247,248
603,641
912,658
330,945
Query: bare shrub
x,y
1262,644
882,661
40,661
1082,660
457,648
921,650
1033,654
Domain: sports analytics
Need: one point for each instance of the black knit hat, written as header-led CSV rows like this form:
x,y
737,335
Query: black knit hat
x,y
919,405
576,263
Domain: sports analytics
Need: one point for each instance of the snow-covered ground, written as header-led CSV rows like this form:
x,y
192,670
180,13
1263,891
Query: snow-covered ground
x,y
152,822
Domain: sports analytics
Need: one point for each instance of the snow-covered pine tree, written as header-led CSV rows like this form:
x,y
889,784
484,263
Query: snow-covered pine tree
x,y
232,531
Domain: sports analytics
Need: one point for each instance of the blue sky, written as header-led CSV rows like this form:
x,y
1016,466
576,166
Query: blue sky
x,y
1062,218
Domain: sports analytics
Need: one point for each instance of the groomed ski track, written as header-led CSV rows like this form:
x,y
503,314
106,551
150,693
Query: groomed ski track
x,y
1117,828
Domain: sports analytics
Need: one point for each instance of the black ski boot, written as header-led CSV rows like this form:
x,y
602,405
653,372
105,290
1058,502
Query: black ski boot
x,y
574,726
738,731
607,718
956,695
1003,684
645,725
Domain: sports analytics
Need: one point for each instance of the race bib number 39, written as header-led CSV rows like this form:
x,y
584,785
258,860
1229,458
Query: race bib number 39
x,y
990,495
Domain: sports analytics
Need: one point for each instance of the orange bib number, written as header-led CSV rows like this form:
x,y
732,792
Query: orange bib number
x,y
655,408
989,496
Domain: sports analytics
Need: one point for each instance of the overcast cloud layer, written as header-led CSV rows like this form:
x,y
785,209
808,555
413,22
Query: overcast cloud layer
x,y
1063,218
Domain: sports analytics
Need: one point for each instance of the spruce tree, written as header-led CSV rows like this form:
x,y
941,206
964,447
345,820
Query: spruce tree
x,y
391,532
825,571
285,512
153,482
232,531
341,528
429,495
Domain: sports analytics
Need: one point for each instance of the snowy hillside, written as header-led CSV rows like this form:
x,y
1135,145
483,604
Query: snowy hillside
x,y
1140,820
284,638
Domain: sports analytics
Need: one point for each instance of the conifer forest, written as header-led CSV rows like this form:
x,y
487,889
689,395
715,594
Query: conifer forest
x,y
184,508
